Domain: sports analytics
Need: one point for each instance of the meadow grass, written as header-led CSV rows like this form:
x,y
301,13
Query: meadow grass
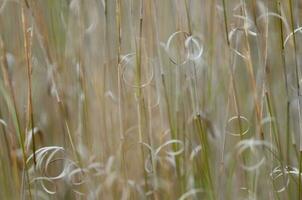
x,y
150,99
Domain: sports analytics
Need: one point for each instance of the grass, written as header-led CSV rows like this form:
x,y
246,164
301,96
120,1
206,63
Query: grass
x,y
136,99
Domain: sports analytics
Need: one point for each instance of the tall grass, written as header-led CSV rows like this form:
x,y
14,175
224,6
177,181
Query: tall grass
x,y
162,99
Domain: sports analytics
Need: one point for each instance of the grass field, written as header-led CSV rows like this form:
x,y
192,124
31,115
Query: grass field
x,y
150,99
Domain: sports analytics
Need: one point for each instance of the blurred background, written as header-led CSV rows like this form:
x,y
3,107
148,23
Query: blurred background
x,y
150,99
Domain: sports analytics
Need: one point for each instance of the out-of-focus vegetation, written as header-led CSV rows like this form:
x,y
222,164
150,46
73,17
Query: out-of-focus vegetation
x,y
150,99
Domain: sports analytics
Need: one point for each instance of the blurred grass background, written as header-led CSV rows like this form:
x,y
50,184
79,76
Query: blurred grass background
x,y
141,99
